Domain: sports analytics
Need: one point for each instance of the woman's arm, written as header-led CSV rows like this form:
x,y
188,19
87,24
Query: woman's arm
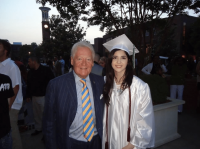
x,y
142,123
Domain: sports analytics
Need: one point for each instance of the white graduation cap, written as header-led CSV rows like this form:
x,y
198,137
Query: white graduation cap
x,y
121,42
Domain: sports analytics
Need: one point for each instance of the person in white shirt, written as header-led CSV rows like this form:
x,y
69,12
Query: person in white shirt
x,y
9,68
62,61
150,68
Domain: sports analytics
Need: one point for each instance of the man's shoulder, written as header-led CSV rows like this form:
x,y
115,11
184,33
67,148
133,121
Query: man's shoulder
x,y
66,77
96,77
11,63
11,66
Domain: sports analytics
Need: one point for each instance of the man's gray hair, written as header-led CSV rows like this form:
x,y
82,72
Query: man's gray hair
x,y
82,44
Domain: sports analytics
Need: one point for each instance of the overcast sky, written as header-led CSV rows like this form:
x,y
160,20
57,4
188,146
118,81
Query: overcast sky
x,y
20,21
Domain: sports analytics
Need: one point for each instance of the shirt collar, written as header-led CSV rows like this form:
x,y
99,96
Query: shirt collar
x,y
5,61
77,78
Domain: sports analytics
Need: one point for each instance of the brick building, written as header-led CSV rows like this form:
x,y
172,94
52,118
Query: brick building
x,y
182,28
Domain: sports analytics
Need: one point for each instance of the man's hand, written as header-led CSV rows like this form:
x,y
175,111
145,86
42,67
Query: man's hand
x,y
28,99
129,146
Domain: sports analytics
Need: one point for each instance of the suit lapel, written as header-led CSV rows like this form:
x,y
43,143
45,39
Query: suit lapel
x,y
73,93
94,90
72,85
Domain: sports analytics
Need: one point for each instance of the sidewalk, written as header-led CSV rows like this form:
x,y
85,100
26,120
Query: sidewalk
x,y
188,128
32,142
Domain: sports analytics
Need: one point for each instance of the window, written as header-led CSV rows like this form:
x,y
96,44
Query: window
x,y
147,33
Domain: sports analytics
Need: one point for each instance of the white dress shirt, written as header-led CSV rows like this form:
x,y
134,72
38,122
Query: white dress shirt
x,y
9,68
76,128
147,69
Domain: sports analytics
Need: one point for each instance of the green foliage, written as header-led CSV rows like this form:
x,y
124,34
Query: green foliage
x,y
69,9
63,35
169,47
158,87
195,6
115,15
136,15
195,36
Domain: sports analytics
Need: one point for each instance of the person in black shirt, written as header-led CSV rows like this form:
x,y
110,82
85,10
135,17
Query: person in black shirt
x,y
37,80
6,91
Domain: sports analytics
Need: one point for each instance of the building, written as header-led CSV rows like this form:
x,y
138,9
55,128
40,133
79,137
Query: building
x,y
15,47
45,23
181,25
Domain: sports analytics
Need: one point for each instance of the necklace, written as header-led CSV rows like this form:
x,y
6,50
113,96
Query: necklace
x,y
119,90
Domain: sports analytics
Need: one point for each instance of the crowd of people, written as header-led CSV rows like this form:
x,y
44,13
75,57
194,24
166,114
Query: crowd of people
x,y
176,71
97,103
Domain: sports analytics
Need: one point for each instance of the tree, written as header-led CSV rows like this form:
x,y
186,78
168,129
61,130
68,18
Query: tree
x,y
138,15
115,15
64,34
169,47
64,29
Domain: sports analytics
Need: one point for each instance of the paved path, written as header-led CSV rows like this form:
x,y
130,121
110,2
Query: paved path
x,y
188,128
32,142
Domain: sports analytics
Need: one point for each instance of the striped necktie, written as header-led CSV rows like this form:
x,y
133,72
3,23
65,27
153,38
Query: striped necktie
x,y
88,123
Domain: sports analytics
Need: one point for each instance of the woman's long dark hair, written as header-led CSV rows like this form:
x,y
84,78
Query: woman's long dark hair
x,y
110,75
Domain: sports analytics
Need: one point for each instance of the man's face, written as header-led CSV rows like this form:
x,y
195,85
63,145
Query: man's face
x,y
82,62
2,51
31,63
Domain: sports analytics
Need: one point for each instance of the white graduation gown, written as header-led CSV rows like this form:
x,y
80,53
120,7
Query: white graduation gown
x,y
141,122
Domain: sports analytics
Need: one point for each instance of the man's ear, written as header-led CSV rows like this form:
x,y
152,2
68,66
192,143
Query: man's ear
x,y
6,52
72,61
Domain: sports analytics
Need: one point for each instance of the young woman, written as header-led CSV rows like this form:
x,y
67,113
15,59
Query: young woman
x,y
128,102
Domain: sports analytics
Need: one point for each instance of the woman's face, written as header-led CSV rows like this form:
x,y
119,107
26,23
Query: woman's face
x,y
119,62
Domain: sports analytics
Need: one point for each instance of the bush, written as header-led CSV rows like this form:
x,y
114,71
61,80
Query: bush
x,y
158,87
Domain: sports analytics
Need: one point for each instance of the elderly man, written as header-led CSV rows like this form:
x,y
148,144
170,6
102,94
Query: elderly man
x,y
73,113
